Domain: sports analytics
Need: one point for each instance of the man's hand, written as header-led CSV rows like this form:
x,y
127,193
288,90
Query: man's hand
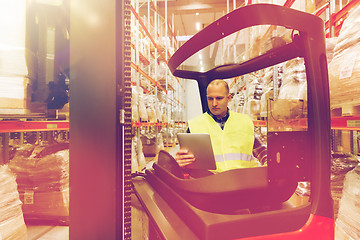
x,y
184,158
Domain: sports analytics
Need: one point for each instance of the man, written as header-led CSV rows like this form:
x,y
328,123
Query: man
x,y
231,133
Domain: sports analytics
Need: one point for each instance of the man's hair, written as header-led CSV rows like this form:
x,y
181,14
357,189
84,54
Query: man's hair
x,y
217,82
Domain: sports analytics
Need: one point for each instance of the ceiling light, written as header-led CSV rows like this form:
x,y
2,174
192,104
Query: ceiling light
x,y
197,25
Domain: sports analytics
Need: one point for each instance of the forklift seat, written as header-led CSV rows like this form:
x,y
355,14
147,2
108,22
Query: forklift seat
x,y
225,192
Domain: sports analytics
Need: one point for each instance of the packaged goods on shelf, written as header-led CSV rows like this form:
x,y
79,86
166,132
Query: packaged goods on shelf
x,y
158,111
159,142
347,225
255,48
143,114
330,46
135,104
138,161
140,153
293,84
12,41
344,69
268,90
149,145
14,94
177,113
291,102
152,108
12,225
252,105
151,113
237,102
134,158
274,42
163,110
43,181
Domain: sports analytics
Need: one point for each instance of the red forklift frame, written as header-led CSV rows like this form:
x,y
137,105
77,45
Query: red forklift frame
x,y
315,218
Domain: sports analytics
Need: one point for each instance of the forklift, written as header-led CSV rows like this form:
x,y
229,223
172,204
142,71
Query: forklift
x,y
252,203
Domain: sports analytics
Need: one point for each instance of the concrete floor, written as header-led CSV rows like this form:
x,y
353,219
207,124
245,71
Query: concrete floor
x,y
43,232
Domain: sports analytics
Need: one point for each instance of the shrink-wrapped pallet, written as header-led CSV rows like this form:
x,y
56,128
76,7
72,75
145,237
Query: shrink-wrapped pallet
x,y
12,225
344,69
330,46
347,225
341,163
43,181
14,83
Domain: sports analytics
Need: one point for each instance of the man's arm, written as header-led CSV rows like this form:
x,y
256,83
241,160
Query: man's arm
x,y
260,150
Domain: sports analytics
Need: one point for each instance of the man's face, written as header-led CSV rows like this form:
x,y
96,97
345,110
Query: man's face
x,y
217,99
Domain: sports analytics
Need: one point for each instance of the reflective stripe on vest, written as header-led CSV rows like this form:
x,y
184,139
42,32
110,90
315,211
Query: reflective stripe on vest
x,y
233,156
233,145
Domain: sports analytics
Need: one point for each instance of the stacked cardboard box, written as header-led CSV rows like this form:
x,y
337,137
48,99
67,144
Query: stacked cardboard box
x,y
13,70
12,225
344,69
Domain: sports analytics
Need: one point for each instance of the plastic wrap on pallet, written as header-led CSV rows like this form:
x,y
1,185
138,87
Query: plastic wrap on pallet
x,y
347,225
344,69
43,181
341,163
12,225
330,46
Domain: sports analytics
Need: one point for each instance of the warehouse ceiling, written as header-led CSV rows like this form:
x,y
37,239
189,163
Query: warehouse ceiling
x,y
190,14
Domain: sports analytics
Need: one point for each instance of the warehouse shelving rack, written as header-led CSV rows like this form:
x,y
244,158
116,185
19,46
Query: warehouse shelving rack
x,y
153,42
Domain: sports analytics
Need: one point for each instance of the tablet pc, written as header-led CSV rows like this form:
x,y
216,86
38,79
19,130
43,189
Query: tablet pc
x,y
198,144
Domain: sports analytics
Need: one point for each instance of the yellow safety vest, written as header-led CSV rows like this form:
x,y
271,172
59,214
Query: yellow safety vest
x,y
232,145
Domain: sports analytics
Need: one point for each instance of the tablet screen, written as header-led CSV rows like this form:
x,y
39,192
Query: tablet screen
x,y
198,144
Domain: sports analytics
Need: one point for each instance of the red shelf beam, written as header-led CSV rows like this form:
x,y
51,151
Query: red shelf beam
x,y
346,123
33,126
337,123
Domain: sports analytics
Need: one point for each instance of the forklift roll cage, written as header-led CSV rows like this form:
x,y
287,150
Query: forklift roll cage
x,y
309,44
